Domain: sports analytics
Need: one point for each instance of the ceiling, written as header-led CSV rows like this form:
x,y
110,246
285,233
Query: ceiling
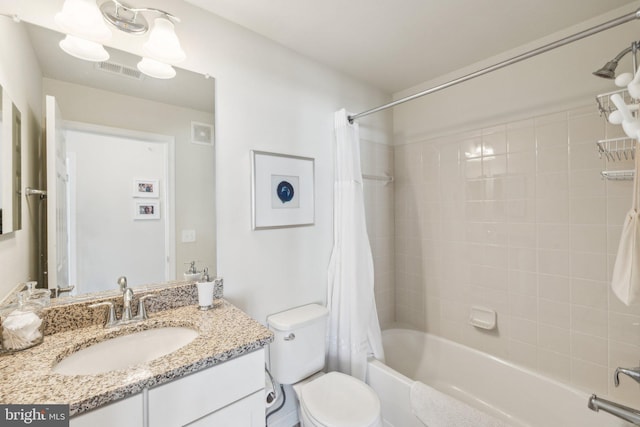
x,y
396,44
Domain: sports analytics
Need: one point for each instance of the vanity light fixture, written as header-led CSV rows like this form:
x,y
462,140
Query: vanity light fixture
x,y
86,26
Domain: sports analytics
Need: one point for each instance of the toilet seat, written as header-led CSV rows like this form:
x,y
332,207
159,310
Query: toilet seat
x,y
339,400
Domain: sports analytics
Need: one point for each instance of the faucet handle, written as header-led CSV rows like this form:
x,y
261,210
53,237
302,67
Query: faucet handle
x,y
142,311
632,372
111,319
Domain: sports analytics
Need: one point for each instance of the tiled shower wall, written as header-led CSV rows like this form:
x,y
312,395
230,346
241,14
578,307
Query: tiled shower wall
x,y
517,218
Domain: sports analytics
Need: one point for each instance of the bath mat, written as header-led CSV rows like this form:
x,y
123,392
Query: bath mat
x,y
436,409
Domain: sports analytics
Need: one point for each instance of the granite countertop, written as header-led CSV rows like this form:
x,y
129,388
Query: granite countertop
x,y
225,332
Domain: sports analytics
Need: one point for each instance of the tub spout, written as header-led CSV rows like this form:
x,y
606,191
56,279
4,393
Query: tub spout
x,y
628,414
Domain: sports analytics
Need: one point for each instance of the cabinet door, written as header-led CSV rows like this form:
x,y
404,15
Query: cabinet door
x,y
248,412
190,398
125,412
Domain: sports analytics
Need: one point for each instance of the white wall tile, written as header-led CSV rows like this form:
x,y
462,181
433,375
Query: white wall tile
x,y
590,293
588,210
553,236
585,128
554,339
590,348
588,265
589,238
553,159
554,288
517,218
552,134
589,321
553,262
554,313
552,185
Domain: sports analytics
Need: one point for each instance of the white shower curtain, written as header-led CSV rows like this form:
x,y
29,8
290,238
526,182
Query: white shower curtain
x,y
354,330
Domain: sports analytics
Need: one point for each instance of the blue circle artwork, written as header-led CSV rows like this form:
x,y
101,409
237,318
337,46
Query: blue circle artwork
x,y
285,191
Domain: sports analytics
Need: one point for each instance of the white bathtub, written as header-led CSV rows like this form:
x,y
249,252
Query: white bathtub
x,y
511,393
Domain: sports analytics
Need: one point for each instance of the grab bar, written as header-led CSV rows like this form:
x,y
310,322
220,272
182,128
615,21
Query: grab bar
x,y
615,409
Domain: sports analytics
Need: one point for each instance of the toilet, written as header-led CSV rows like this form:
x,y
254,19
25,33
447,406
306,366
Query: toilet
x,y
297,358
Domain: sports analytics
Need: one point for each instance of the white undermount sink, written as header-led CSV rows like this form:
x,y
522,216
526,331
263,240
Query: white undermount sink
x,y
124,351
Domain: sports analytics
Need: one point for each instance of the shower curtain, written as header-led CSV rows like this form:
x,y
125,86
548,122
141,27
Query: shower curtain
x,y
354,330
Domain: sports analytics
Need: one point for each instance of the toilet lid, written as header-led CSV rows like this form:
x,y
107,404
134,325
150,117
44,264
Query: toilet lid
x,y
339,400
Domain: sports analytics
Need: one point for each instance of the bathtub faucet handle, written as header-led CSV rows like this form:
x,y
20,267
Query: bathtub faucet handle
x,y
632,372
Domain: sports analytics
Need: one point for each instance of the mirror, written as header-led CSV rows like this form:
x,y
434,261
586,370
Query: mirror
x,y
124,132
10,165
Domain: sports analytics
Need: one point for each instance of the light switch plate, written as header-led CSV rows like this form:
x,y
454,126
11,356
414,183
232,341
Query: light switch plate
x,y
188,236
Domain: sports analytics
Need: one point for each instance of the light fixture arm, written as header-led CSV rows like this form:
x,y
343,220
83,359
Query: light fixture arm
x,y
137,10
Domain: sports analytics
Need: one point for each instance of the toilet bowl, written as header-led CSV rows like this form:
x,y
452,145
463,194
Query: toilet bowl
x,y
337,400
297,358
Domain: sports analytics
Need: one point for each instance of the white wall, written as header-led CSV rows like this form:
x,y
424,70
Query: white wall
x,y
20,79
528,228
272,99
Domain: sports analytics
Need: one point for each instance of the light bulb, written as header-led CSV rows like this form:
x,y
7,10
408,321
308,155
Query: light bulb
x,y
163,44
82,18
156,69
84,49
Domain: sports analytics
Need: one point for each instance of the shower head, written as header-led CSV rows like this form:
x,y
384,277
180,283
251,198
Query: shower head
x,y
608,71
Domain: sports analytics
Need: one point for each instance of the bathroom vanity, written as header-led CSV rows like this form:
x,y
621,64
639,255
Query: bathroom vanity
x,y
215,379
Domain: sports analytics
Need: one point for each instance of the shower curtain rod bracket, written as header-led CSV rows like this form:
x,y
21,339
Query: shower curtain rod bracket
x,y
530,54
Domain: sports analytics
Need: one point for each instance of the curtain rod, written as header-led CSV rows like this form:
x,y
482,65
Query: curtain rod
x,y
530,54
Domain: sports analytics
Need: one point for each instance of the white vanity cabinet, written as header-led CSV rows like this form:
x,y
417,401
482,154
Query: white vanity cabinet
x,y
125,412
230,393
211,396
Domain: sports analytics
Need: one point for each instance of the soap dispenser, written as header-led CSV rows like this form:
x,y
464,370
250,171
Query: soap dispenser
x,y
205,291
192,273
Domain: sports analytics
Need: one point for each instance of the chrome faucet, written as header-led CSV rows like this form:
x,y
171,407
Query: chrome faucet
x,y
127,299
632,372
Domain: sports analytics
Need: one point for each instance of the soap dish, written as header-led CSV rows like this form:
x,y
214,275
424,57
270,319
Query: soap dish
x,y
482,317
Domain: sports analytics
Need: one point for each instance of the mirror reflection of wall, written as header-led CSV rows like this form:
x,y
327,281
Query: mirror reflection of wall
x,y
106,169
16,167
10,165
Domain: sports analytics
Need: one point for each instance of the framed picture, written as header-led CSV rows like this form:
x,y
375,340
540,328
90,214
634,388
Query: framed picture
x,y
282,190
201,133
146,209
147,188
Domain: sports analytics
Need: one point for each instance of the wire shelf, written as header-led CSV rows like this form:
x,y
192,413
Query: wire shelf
x,y
617,149
621,175
606,106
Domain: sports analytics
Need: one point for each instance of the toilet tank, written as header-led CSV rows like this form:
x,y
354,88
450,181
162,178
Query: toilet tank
x,y
298,348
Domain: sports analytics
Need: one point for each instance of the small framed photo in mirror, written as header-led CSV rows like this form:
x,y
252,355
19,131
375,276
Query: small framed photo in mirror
x,y
146,209
147,188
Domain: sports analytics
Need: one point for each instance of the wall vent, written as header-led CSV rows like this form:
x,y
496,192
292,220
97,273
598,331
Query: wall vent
x,y
122,70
